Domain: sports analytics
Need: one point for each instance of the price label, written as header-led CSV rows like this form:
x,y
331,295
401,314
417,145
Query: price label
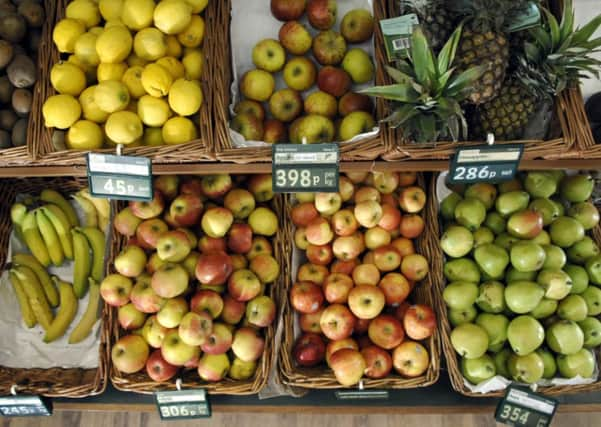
x,y
485,164
120,177
397,34
523,408
305,168
183,404
25,406
362,394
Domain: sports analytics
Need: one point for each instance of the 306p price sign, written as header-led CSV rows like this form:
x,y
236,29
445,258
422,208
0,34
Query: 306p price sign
x,y
305,168
25,406
182,404
120,177
523,408
488,163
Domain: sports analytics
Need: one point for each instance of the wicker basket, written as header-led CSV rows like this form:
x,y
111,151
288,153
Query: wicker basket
x,y
322,377
586,147
39,139
141,383
55,382
453,364
220,58
565,125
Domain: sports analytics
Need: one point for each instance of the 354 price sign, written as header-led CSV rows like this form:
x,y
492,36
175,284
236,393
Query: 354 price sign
x,y
485,164
305,168
182,404
120,177
523,408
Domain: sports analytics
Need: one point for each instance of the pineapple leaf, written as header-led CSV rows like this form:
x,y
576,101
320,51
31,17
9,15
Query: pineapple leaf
x,y
567,20
465,79
400,116
427,125
554,30
447,54
423,59
444,79
397,75
581,35
398,92
542,38
532,52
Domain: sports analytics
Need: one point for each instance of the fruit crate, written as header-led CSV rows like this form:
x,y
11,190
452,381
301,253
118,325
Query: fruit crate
x,y
141,383
39,138
452,359
221,63
54,382
561,140
321,376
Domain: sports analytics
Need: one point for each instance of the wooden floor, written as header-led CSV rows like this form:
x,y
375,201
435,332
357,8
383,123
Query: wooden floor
x,y
134,419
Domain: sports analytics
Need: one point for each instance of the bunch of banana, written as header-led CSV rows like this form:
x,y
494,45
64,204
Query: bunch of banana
x,y
97,211
86,265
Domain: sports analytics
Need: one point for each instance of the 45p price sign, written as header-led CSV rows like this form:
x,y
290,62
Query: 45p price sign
x,y
523,408
488,163
120,177
305,168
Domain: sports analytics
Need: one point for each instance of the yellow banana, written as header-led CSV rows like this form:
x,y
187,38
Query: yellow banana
x,y
89,318
66,311
82,263
41,273
48,232
96,240
33,239
61,224
89,211
103,208
17,214
26,311
35,294
51,196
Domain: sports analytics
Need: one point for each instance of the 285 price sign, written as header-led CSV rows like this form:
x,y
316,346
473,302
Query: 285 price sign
x,y
305,168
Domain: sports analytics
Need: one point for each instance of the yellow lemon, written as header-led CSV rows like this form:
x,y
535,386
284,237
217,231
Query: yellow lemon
x,y
111,96
111,71
185,97
84,10
153,112
114,44
179,130
193,62
156,80
123,127
114,23
133,80
84,135
61,111
173,47
153,137
135,60
175,68
150,44
137,14
96,30
67,78
110,9
197,5
91,111
85,49
65,34
172,16
194,33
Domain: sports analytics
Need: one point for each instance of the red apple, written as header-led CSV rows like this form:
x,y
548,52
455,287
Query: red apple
x,y
352,101
344,223
391,217
233,311
240,202
213,367
216,186
207,301
414,267
216,221
389,199
401,310
170,280
243,285
377,237
211,244
366,301
333,80
404,246
195,328
214,268
337,287
349,247
191,185
412,199
322,13
361,326
147,210
149,232
407,178
167,184
411,226
387,258
312,273
261,187
186,209
346,188
173,246
367,193
248,344
334,346
366,274
396,288
130,261
129,354
337,322
344,267
288,10
368,213
309,322
386,331
306,297
303,213
274,131
309,350
239,239
260,245
419,322
219,341
265,267
348,366
320,255
260,311
158,369
144,298
130,317
319,232
378,361
126,222
115,289
410,359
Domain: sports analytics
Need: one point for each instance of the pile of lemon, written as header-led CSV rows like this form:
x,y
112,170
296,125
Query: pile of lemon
x,y
130,74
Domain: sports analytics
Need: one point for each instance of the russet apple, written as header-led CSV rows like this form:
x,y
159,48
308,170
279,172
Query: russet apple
x,y
158,369
115,289
320,255
410,359
366,274
344,223
396,288
173,246
337,287
299,73
377,237
243,285
391,217
378,361
274,131
130,317
348,366
419,322
126,223
248,344
260,246
295,38
386,331
213,367
309,322
337,322
321,103
412,199
239,238
312,273
240,202
414,267
186,209
214,268
353,101
344,267
303,213
216,221
177,352
269,55
172,312
285,105
367,193
131,261
195,328
257,85
144,298
368,213
335,345
265,267
149,231
333,80
129,354
329,47
387,258
322,13
349,247
147,210
346,188
357,26
251,107
170,281
233,311
248,126
288,10
404,246
219,341
358,65
261,186
309,350
306,297
208,244
168,185
153,332
260,311
263,221
411,226
356,123
319,232
366,301
207,301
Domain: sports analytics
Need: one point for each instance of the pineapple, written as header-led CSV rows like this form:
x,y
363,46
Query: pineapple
x,y
555,59
428,91
435,19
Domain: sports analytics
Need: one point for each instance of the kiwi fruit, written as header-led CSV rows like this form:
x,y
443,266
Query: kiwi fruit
x,y
12,27
4,139
8,118
33,40
58,140
6,90
19,134
21,72
33,12
21,101
6,53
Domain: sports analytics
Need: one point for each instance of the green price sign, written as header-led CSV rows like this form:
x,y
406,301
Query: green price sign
x,y
487,163
523,408
305,168
182,404
362,394
25,406
120,177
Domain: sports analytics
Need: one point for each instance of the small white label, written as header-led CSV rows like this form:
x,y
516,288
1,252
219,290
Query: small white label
x,y
523,399
477,156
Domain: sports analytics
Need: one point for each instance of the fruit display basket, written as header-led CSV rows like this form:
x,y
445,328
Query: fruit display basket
x,y
321,376
586,148
40,138
368,148
54,382
140,382
561,138
453,362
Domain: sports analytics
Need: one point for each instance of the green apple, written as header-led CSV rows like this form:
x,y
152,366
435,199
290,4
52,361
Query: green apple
x,y
457,241
585,213
459,295
549,363
512,275
315,129
478,370
593,268
269,55
540,184
470,213
527,256
557,283
548,210
491,298
591,328
469,340
482,236
492,260
566,231
573,308
357,26
257,85
527,368
461,269
500,360
581,363
511,202
250,127
285,105
523,296
564,337
321,103
525,334
579,277
545,308
555,257
486,193
359,65
577,188
495,326
300,73
356,123
463,315
592,298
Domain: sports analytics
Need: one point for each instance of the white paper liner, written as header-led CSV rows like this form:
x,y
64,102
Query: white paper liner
x,y
252,22
21,347
498,382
